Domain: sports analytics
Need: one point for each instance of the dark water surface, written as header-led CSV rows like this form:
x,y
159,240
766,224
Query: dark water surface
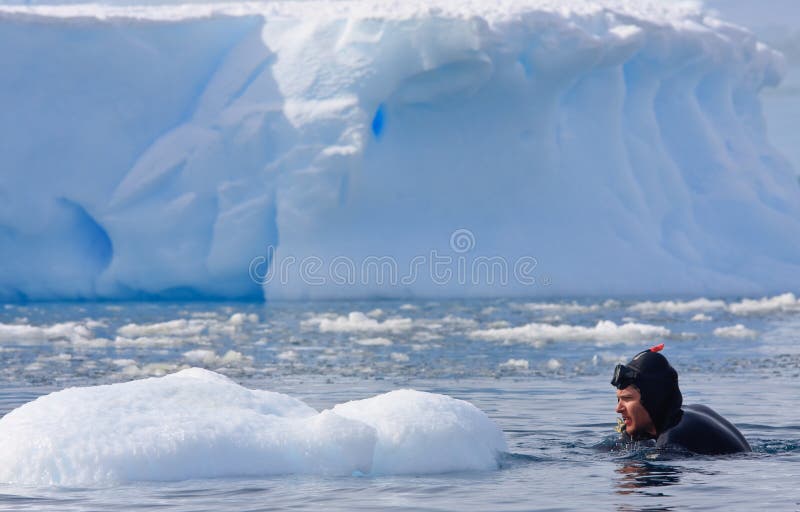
x,y
549,394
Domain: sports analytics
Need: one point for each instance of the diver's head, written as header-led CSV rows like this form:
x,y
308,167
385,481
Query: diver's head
x,y
648,396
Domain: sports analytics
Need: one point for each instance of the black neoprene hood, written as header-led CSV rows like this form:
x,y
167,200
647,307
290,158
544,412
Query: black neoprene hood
x,y
657,381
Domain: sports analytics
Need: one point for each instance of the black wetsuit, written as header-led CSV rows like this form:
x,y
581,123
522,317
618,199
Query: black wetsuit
x,y
701,430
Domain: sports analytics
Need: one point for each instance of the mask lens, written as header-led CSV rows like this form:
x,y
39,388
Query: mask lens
x,y
623,376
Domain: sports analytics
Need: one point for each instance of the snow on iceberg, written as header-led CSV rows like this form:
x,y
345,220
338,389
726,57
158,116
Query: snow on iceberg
x,y
161,151
199,424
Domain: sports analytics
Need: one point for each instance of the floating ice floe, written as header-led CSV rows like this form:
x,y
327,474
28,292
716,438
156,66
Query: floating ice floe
x,y
604,331
199,424
178,327
565,308
554,364
357,321
786,302
25,334
242,318
677,307
399,357
374,342
202,328
515,364
735,331
210,359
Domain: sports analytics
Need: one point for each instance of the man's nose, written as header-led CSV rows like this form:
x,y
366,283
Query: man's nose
x,y
619,407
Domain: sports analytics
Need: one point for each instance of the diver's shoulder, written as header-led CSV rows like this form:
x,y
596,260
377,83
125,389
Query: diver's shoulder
x,y
702,430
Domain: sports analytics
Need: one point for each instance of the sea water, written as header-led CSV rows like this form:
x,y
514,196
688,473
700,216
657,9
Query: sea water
x,y
539,370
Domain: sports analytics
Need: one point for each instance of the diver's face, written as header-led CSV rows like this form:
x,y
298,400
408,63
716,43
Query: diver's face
x,y
637,419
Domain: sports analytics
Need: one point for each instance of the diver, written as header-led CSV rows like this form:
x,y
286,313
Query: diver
x,y
650,403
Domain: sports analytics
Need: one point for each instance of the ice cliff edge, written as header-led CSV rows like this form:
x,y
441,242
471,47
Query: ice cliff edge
x,y
160,151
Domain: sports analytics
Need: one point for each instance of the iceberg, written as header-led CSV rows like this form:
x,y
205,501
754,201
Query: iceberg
x,y
325,149
200,424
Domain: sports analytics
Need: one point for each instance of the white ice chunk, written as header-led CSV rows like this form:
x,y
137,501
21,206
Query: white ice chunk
x,y
357,321
26,334
677,307
210,359
199,424
427,433
566,308
399,357
605,331
554,364
241,318
735,331
374,342
766,305
515,364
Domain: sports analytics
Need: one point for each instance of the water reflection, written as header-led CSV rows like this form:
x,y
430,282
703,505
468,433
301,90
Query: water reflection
x,y
645,478
642,477
625,508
